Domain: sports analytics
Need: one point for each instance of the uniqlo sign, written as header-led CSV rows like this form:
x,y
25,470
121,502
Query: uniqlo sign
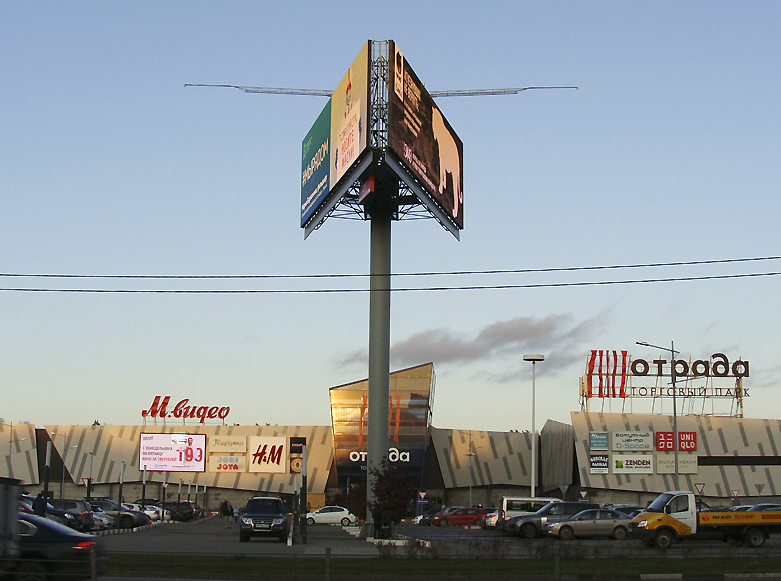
x,y
687,441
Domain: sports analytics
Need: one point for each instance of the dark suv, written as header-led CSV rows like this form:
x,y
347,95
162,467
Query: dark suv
x,y
79,509
529,526
182,511
264,516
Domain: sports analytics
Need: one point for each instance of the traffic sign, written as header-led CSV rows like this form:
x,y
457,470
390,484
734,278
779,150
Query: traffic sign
x,y
699,486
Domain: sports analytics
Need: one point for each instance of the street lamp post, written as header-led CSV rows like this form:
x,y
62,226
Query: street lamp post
x,y
673,354
534,358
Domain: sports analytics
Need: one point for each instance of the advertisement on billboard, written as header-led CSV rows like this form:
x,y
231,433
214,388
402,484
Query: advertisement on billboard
x,y
172,452
633,464
687,441
597,441
227,463
337,138
687,464
227,444
268,454
423,140
598,464
633,441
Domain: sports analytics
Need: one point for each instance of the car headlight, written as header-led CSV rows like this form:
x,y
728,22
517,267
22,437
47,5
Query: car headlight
x,y
641,524
246,520
279,521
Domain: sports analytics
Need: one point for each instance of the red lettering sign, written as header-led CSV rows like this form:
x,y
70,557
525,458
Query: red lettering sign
x,y
664,441
159,409
687,441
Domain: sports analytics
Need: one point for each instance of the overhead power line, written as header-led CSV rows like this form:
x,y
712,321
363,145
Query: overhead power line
x,y
327,93
395,290
398,274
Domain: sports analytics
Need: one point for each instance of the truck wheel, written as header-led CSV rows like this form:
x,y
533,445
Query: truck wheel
x,y
528,531
566,533
664,539
754,538
620,533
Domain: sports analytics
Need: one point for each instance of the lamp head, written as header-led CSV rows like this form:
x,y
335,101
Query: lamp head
x,y
534,357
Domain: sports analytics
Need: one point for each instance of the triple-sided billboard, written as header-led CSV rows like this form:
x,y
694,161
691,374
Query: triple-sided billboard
x,y
337,138
423,140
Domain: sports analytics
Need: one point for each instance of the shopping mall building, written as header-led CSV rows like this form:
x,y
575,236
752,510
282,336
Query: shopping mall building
x,y
608,453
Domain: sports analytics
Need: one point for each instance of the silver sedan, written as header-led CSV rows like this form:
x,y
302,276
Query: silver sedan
x,y
591,523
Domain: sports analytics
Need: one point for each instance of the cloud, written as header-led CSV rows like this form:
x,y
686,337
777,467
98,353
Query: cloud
x,y
557,335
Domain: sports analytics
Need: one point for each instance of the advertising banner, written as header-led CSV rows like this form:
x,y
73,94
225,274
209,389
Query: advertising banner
x,y
338,136
598,464
687,441
597,441
687,464
227,463
423,140
633,464
633,441
268,454
315,162
227,444
172,452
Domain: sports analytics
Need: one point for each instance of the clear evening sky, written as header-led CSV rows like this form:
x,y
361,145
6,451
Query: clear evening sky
x,y
668,152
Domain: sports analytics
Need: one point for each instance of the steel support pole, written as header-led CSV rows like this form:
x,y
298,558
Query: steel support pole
x,y
379,348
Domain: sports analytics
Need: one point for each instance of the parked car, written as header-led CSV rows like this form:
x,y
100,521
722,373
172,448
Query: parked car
x,y
183,511
154,512
102,520
532,525
123,518
463,516
80,509
626,508
51,551
764,507
600,522
510,506
489,520
264,516
428,516
55,514
330,515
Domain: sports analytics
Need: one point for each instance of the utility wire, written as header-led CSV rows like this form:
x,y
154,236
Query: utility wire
x,y
396,290
451,273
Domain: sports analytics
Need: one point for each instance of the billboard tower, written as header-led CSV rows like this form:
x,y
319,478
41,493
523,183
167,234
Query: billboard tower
x,y
381,150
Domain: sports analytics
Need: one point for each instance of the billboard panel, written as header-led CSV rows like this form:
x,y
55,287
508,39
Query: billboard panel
x,y
172,452
268,454
338,137
423,140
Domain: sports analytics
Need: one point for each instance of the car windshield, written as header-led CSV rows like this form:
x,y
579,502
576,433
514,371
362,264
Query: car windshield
x,y
263,505
659,504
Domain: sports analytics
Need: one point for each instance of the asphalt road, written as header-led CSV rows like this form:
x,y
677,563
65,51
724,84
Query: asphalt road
x,y
209,536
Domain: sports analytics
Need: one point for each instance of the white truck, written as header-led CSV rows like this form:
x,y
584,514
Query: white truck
x,y
673,517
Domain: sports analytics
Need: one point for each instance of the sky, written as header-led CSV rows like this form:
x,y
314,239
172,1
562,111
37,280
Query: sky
x,y
668,152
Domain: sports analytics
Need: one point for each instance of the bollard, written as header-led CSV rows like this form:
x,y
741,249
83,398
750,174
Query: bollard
x,y
328,564
93,563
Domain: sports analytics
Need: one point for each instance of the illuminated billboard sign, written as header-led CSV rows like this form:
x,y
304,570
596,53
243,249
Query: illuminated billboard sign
x,y
423,140
608,374
337,138
172,452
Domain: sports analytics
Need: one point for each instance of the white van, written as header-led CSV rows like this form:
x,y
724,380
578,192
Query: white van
x,y
510,506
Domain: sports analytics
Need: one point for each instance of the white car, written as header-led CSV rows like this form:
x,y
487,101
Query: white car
x,y
102,520
331,515
156,513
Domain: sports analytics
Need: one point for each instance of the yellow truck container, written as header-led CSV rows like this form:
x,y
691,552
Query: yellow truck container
x,y
673,517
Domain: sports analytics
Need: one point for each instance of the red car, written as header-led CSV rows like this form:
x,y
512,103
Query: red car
x,y
461,516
